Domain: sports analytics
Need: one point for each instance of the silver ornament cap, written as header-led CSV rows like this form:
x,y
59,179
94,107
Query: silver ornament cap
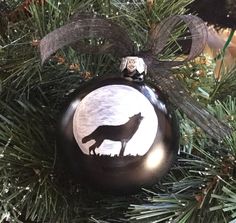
x,y
133,65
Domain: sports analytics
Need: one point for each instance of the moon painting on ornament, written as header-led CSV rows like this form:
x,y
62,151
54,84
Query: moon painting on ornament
x,y
113,121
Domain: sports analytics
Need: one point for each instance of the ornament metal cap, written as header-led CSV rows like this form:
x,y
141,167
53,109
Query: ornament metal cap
x,y
132,63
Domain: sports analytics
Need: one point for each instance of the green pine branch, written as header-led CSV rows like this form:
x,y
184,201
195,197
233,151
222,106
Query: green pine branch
x,y
35,186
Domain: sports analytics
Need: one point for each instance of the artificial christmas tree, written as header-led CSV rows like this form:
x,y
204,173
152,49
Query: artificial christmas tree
x,y
36,185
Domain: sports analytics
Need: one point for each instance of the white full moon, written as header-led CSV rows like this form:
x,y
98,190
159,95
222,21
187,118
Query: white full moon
x,y
113,105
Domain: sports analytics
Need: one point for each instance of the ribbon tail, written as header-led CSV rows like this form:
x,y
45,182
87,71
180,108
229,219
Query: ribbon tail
x,y
179,97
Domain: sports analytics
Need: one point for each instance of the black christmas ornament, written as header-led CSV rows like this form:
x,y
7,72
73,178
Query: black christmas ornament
x,y
120,134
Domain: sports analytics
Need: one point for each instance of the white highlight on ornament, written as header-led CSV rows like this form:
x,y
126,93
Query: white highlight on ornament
x,y
155,157
133,63
114,105
74,104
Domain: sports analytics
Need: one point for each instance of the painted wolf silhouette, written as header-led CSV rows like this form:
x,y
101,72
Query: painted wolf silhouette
x,y
122,133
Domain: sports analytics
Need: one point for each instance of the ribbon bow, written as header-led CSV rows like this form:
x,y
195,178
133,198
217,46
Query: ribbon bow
x,y
119,44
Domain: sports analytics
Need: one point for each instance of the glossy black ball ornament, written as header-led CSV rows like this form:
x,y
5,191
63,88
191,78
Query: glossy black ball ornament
x,y
118,135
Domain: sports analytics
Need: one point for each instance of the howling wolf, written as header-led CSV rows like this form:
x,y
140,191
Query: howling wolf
x,y
122,133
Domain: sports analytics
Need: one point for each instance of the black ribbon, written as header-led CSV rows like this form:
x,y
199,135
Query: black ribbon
x,y
89,26
85,26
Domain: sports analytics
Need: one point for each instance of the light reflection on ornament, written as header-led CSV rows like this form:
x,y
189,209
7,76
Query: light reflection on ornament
x,y
156,157
75,104
66,119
